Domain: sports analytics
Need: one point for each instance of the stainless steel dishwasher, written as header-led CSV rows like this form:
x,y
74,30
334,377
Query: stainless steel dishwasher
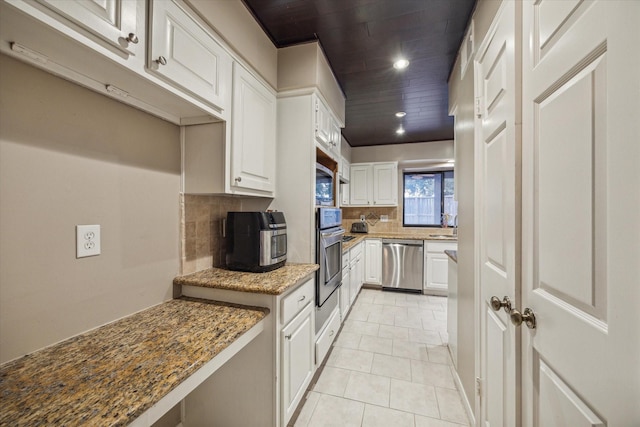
x,y
402,265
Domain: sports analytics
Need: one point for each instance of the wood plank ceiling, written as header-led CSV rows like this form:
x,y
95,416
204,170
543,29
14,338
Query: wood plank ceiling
x,y
362,39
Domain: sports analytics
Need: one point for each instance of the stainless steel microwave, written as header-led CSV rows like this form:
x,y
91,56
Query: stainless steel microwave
x,y
325,186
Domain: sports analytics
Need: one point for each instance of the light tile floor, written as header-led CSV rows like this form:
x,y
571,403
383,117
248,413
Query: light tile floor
x,y
389,367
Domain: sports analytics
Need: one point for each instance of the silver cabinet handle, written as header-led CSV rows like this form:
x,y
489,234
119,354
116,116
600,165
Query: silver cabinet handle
x,y
302,298
238,179
288,336
332,332
132,38
528,317
161,60
496,304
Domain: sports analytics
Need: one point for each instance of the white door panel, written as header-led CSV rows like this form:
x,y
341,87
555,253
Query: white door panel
x,y
581,233
497,160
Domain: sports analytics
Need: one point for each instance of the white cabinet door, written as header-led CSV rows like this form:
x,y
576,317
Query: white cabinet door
x,y
373,261
360,271
344,194
345,292
323,125
385,184
253,134
114,21
184,53
436,267
336,138
353,281
297,340
437,271
345,288
360,193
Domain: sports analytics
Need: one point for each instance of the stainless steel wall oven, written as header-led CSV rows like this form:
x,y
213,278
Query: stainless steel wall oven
x,y
329,257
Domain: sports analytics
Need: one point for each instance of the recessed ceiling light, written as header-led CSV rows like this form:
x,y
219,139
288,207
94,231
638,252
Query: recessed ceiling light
x,y
401,114
400,131
401,64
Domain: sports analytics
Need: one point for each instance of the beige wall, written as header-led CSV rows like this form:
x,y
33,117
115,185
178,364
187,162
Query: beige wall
x,y
305,66
69,156
235,24
461,98
416,152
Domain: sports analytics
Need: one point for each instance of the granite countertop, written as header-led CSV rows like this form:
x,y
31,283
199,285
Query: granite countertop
x,y
274,282
113,374
453,255
416,235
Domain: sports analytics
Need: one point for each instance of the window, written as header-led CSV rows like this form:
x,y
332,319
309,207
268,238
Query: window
x,y
428,199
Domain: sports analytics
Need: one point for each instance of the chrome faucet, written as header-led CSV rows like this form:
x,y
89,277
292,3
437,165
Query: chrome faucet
x,y
455,226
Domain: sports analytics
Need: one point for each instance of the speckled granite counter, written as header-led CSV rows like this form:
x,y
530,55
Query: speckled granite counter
x,y
418,235
111,375
452,254
274,282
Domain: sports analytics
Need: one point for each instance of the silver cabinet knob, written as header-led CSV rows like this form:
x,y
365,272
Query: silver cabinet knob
x,y
132,38
496,304
302,298
528,317
238,179
161,60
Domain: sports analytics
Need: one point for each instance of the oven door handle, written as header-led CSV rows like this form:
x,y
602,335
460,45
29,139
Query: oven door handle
x,y
326,235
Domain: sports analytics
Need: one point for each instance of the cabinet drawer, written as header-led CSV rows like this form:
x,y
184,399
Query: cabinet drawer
x,y
297,300
345,259
431,246
356,251
326,338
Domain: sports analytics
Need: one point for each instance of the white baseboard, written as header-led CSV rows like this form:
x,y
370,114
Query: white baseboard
x,y
465,399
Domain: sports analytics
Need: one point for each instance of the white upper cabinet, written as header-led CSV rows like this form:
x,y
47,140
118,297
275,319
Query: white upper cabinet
x,y
385,184
359,184
327,131
323,124
253,135
374,184
186,54
113,21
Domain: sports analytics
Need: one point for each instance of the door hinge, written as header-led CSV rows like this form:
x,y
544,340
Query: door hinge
x,y
479,107
479,386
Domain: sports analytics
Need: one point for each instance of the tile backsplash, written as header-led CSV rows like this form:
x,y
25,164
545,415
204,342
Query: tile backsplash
x,y
393,225
202,244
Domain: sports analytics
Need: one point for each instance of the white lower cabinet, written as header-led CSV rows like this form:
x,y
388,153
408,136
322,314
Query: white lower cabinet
x,y
261,385
326,338
345,288
297,368
373,261
356,275
436,266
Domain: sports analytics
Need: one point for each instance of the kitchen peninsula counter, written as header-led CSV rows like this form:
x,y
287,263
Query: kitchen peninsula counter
x,y
112,375
274,282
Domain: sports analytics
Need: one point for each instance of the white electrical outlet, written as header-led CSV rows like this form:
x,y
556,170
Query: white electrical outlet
x,y
384,218
87,240
362,218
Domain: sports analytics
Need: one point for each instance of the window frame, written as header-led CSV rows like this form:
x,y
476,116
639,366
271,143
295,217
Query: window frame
x,y
442,195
